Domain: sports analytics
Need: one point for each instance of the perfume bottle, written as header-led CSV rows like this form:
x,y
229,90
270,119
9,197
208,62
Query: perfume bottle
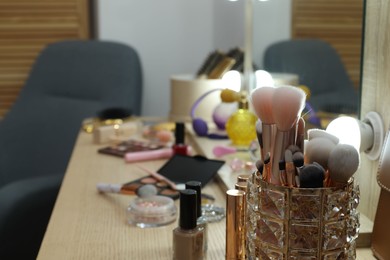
x,y
188,237
180,147
241,125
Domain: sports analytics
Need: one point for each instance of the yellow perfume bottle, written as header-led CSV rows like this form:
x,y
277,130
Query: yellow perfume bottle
x,y
241,125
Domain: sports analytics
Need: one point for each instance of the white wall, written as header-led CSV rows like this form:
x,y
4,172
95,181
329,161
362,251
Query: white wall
x,y
175,36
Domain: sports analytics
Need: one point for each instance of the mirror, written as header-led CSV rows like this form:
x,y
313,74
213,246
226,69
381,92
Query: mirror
x,y
316,44
320,43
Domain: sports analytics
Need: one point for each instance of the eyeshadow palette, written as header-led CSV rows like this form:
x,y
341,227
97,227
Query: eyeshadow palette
x,y
162,187
129,146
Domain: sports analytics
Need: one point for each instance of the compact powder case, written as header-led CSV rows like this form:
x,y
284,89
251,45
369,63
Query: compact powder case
x,y
153,211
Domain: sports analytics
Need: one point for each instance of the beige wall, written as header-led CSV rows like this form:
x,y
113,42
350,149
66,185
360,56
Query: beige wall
x,y
375,91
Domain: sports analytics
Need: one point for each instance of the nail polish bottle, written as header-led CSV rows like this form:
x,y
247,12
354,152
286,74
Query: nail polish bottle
x,y
188,237
180,147
201,222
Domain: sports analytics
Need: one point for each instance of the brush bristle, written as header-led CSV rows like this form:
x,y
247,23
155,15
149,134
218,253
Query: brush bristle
x,y
261,99
314,133
287,105
298,159
343,162
318,150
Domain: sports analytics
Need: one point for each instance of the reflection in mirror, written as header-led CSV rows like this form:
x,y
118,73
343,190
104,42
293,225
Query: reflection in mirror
x,y
318,43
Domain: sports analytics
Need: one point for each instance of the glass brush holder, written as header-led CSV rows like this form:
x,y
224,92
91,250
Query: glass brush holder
x,y
301,223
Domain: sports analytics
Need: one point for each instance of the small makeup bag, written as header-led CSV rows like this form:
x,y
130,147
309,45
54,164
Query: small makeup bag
x,y
380,244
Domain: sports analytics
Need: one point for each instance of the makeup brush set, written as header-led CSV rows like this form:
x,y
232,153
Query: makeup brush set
x,y
301,200
286,158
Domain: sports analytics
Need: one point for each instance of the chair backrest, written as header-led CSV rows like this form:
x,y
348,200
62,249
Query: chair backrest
x,y
316,62
320,68
69,81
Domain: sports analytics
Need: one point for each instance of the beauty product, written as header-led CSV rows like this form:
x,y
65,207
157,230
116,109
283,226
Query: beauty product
x,y
235,224
262,104
243,177
241,125
188,237
148,155
282,173
241,186
343,162
151,211
290,168
287,105
311,176
130,146
267,168
180,147
201,221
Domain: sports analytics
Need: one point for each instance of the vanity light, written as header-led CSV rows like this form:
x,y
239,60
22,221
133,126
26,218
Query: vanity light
x,y
366,135
232,80
263,78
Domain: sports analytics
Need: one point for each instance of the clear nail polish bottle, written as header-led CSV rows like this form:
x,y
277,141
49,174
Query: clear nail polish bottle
x,y
188,237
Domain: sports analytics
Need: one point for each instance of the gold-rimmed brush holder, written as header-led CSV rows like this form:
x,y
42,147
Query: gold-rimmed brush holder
x,y
301,223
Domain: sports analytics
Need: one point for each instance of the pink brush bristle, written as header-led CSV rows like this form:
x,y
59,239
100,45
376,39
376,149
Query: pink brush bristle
x,y
287,105
262,103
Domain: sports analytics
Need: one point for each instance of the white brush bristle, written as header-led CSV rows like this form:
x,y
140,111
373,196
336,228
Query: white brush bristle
x,y
314,133
261,99
318,150
287,105
343,162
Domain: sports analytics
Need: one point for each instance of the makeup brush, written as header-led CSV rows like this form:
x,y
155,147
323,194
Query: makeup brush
x,y
221,150
146,190
287,105
311,176
259,134
294,148
342,163
261,99
300,139
318,150
298,161
314,133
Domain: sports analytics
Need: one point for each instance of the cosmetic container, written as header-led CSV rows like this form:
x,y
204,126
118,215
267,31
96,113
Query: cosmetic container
x,y
235,224
180,147
301,223
241,125
200,219
188,237
153,211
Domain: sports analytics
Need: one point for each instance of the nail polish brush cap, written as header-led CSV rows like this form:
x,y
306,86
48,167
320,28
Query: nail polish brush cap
x,y
187,209
197,186
179,133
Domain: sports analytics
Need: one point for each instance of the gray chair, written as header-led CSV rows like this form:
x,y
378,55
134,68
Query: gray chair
x,y
320,68
70,81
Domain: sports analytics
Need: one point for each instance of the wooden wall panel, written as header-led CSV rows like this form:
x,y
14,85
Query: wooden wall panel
x,y
338,22
25,28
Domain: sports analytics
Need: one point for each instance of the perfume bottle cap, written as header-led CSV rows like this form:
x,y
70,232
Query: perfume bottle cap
x,y
179,133
197,186
187,209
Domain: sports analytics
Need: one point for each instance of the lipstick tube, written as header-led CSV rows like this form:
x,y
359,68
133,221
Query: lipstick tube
x,y
149,155
235,224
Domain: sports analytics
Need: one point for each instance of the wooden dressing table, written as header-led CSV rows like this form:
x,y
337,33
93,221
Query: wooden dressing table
x,y
88,225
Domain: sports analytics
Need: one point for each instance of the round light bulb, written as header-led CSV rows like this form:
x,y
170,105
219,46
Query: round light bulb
x,y
346,129
263,78
232,80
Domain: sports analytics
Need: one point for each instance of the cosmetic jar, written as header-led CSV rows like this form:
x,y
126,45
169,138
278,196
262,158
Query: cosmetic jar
x,y
153,211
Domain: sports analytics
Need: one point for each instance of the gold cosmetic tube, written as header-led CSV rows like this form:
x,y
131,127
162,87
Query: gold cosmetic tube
x,y
241,185
235,224
243,177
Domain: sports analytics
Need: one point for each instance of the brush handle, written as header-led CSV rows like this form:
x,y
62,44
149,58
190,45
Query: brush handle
x,y
282,141
268,139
